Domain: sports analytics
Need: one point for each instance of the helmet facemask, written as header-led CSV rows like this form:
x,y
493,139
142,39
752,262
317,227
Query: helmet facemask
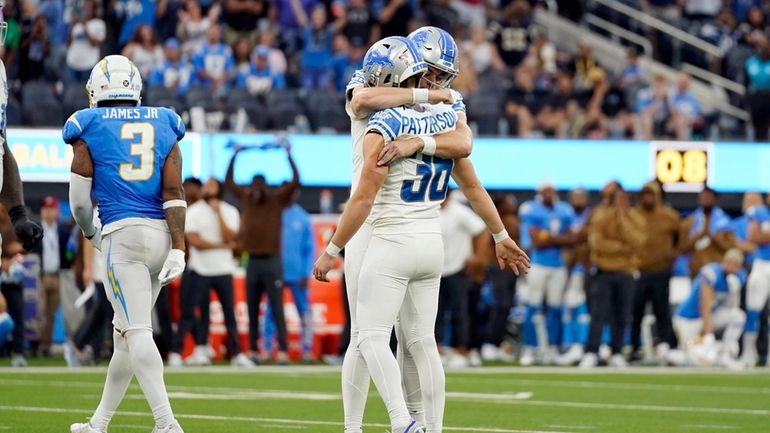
x,y
3,24
443,78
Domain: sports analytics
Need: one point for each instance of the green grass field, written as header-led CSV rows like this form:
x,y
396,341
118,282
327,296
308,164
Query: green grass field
x,y
495,400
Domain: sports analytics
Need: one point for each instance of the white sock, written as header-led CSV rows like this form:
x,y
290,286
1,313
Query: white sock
x,y
411,382
355,387
750,344
148,368
432,380
119,374
383,367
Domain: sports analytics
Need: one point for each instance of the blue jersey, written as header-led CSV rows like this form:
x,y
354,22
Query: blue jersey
x,y
128,147
740,228
216,60
173,76
760,215
134,13
681,267
579,220
555,221
714,275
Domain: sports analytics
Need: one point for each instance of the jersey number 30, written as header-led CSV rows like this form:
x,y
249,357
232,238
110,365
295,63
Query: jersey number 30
x,y
434,183
142,137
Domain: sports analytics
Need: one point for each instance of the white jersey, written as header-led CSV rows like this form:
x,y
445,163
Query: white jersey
x,y
358,127
414,188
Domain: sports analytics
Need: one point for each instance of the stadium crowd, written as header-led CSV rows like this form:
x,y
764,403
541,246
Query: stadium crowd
x,y
284,63
612,282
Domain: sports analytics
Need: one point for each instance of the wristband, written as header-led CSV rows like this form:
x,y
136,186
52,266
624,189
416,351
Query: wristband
x,y
420,96
333,250
500,236
17,212
174,203
429,145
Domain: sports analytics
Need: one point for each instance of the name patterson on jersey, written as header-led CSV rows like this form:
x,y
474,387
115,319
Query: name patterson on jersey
x,y
123,113
392,123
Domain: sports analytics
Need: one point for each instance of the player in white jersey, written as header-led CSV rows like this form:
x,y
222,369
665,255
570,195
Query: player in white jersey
x,y
405,214
363,99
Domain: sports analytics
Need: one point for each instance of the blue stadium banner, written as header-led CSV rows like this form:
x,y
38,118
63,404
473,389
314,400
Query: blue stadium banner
x,y
42,156
326,161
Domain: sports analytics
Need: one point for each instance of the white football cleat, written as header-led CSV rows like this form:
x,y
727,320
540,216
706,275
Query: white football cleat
x,y
490,352
241,360
175,360
527,357
412,427
18,360
618,361
474,358
589,361
456,361
83,428
174,427
199,357
571,357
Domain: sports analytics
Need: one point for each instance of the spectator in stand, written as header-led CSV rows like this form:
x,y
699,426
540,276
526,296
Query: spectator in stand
x,y
317,52
257,77
132,15
521,101
653,108
12,36
360,25
511,34
214,63
751,31
297,256
293,16
467,81
276,58
34,48
167,18
241,19
503,287
687,114
347,59
656,258
260,235
757,81
211,230
632,75
242,55
551,119
176,73
53,10
741,8
583,65
615,235
706,233
482,53
395,16
87,32
144,50
193,26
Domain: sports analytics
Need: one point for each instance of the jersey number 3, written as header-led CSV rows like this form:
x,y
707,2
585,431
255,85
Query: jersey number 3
x,y
141,147
434,183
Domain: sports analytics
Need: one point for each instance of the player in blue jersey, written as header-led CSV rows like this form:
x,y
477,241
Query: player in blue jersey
x,y
575,318
758,287
713,306
127,158
547,221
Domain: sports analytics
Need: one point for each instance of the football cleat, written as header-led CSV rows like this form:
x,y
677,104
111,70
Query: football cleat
x,y
84,428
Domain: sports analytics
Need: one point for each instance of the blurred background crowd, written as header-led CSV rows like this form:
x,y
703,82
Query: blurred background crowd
x,y
685,69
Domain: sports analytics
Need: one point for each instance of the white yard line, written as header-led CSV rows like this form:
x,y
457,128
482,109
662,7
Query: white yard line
x,y
262,421
710,426
131,426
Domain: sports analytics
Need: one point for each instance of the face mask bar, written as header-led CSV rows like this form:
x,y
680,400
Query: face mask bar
x,y
445,78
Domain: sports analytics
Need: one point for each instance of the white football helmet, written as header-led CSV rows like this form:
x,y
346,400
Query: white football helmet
x,y
114,78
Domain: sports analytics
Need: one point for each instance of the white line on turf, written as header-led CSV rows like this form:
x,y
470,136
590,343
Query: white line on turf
x,y
260,420
574,427
130,426
710,426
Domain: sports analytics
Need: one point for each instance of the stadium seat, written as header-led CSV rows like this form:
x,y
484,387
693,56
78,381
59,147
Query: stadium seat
x,y
163,97
327,110
74,99
48,113
284,106
201,97
485,110
37,93
239,99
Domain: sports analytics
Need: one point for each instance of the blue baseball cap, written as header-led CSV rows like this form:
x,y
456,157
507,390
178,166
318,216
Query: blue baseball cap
x,y
262,51
172,43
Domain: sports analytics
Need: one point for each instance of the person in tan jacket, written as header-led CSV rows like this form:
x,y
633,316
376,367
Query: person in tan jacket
x,y
706,233
656,257
615,235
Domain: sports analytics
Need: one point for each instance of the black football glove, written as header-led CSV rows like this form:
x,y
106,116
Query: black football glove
x,y
28,231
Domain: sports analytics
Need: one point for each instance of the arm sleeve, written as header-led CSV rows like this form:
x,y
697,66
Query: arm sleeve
x,y
357,80
387,123
458,105
80,201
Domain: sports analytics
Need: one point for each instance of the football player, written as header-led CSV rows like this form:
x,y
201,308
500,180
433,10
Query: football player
x,y
758,286
405,239
128,157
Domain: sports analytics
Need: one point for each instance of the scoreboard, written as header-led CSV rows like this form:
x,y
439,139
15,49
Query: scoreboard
x,y
681,166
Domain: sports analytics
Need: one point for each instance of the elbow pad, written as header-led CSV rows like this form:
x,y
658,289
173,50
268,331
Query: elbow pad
x,y
80,201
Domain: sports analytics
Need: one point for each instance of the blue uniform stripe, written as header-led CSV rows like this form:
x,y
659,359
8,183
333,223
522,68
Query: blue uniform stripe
x,y
383,128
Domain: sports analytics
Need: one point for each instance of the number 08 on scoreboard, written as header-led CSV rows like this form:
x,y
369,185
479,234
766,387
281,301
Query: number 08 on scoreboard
x,y
682,166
